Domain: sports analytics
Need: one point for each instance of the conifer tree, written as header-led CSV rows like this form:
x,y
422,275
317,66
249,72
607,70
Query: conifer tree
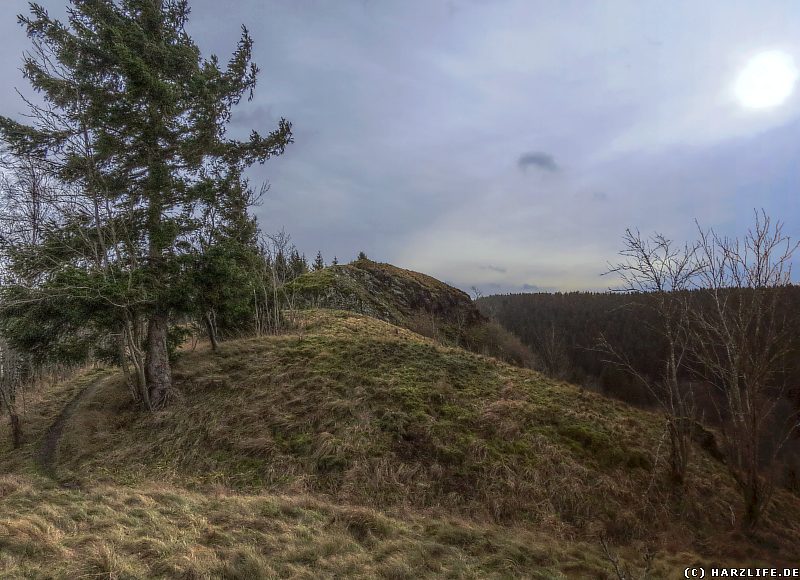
x,y
134,129
298,264
319,262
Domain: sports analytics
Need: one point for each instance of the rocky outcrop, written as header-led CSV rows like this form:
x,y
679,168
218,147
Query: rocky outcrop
x,y
386,292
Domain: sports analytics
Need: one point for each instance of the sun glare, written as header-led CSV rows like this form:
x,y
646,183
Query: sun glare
x,y
767,80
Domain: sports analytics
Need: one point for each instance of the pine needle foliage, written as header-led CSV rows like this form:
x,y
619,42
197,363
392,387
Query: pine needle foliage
x,y
131,126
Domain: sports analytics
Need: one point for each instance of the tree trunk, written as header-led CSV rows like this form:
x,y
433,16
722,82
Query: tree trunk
x,y
211,330
157,369
16,429
752,507
123,363
138,361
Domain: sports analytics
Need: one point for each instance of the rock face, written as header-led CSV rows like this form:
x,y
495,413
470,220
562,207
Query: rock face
x,y
389,293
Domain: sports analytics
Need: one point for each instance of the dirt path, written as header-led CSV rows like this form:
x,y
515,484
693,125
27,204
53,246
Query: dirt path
x,y
47,453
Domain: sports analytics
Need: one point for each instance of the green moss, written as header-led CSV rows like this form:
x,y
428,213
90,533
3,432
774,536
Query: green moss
x,y
587,436
602,447
312,283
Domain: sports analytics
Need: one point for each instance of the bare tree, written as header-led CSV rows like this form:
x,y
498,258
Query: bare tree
x,y
35,204
551,346
661,273
28,207
742,336
475,293
276,297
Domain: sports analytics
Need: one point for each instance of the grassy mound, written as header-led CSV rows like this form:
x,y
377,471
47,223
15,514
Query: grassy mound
x,y
365,413
411,300
386,292
355,448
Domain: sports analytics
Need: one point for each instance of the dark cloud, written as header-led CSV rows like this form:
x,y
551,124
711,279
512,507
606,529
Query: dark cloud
x,y
498,269
539,160
600,196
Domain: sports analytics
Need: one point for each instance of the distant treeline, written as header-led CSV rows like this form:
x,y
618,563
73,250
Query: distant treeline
x,y
563,330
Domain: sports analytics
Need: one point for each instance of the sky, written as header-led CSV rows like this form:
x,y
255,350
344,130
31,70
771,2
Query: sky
x,y
504,144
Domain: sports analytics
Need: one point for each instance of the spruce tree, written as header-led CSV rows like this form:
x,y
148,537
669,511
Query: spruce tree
x,y
134,128
298,264
319,262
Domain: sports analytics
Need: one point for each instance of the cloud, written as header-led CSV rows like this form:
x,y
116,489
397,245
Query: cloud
x,y
484,85
539,160
498,269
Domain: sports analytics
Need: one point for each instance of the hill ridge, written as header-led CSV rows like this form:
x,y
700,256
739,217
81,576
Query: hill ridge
x,y
368,413
393,454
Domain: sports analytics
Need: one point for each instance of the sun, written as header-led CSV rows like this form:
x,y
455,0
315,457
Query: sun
x,y
767,80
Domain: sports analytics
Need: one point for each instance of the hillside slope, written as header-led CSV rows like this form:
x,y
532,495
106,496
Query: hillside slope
x,y
368,413
161,531
357,448
385,292
411,300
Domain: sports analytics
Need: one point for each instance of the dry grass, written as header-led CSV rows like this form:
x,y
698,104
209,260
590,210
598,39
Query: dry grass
x,y
157,531
354,448
370,414
39,408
